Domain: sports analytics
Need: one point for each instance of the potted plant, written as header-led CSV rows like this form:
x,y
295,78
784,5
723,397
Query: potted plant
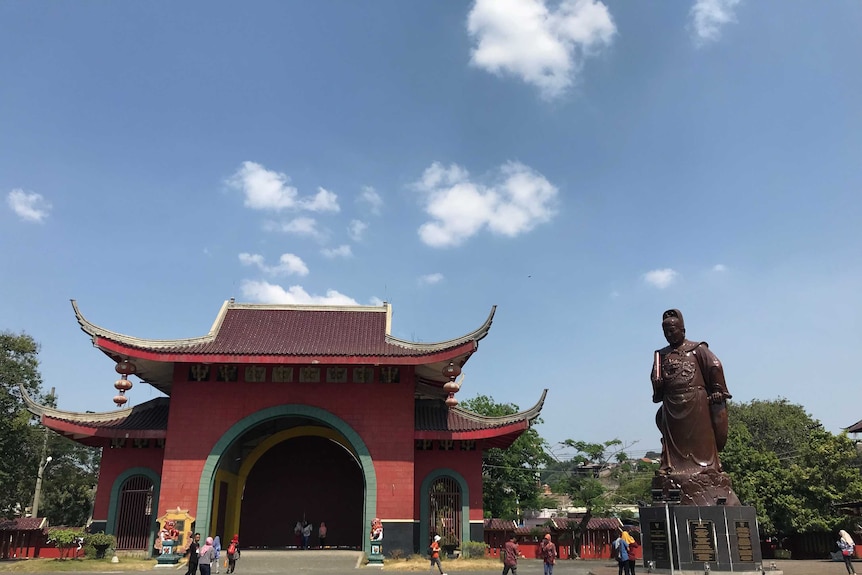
x,y
101,542
449,543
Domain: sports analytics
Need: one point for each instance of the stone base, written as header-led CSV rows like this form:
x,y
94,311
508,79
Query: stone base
x,y
690,537
168,559
375,558
706,488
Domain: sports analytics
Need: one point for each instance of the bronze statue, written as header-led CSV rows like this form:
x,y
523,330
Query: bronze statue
x,y
688,380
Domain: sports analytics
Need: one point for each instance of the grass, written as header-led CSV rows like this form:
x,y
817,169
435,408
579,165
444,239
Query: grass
x,y
72,565
420,563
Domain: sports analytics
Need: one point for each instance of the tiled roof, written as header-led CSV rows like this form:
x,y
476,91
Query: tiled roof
x,y
150,415
499,525
855,428
23,524
433,415
251,329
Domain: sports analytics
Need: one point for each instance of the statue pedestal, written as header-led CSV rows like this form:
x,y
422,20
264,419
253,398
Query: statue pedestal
x,y
690,537
168,559
375,559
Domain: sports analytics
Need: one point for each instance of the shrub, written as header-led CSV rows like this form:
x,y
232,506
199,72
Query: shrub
x,y
96,544
65,540
396,554
473,550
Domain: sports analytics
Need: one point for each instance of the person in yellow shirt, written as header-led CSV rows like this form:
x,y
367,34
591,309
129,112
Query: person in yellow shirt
x,y
630,541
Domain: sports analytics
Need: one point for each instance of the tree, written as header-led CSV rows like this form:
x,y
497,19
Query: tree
x,y
586,478
510,480
69,481
20,448
789,468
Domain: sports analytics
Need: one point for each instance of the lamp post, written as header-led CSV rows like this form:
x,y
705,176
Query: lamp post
x,y
37,494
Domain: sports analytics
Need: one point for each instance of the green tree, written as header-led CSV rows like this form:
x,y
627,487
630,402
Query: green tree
x,y
20,448
789,468
510,480
69,480
591,478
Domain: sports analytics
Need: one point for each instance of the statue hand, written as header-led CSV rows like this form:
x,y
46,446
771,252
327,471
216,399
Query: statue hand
x,y
716,397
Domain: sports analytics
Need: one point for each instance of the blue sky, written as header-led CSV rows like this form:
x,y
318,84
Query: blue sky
x,y
582,165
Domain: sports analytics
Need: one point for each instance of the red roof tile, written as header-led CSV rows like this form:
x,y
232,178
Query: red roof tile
x,y
250,329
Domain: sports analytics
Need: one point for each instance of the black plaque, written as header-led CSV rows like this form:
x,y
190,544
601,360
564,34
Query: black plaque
x,y
702,541
658,540
742,531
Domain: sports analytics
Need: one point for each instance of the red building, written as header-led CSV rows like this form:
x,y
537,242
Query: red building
x,y
288,413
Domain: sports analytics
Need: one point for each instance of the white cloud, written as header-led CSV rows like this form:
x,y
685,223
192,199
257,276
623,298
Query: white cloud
x,y
288,264
29,206
265,292
269,190
544,47
356,229
298,226
661,278
323,201
709,16
342,251
719,268
431,279
370,196
460,208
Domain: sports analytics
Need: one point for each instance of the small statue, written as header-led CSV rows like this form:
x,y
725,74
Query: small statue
x,y
376,529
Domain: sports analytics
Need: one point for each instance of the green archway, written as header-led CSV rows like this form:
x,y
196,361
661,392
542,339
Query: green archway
x,y
205,490
111,525
425,505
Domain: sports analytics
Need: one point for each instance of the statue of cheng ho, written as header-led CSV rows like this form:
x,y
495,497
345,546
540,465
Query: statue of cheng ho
x,y
688,381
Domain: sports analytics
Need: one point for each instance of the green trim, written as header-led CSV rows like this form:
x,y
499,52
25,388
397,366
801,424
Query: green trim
x,y
425,504
205,490
114,502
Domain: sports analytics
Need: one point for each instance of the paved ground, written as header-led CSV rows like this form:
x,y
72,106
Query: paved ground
x,y
336,562
315,562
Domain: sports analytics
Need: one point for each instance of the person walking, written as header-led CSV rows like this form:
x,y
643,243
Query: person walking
x,y
511,552
217,548
193,551
847,545
434,554
630,541
621,549
206,557
321,535
232,554
306,534
297,533
549,554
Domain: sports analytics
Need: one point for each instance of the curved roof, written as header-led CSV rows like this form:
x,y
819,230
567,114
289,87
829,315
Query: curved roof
x,y
261,330
149,420
433,420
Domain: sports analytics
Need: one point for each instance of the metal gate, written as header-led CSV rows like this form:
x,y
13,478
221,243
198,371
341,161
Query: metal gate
x,y
135,513
445,510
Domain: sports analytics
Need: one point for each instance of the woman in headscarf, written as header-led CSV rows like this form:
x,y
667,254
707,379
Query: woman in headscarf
x,y
217,548
207,555
232,553
847,545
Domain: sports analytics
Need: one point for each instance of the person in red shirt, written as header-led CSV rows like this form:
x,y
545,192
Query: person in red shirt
x,y
435,554
510,556
549,554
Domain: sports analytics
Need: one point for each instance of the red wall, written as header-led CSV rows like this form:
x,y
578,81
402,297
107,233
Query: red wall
x,y
201,413
116,461
467,463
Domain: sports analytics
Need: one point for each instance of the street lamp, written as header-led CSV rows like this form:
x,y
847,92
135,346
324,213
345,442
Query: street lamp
x,y
37,494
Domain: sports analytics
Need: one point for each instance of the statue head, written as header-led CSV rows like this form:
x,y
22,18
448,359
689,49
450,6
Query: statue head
x,y
673,326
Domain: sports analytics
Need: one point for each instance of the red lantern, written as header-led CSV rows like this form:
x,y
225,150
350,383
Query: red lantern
x,y
123,385
452,371
125,367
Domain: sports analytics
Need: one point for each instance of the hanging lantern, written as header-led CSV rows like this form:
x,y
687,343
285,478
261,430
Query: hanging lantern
x,y
125,368
451,401
452,371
